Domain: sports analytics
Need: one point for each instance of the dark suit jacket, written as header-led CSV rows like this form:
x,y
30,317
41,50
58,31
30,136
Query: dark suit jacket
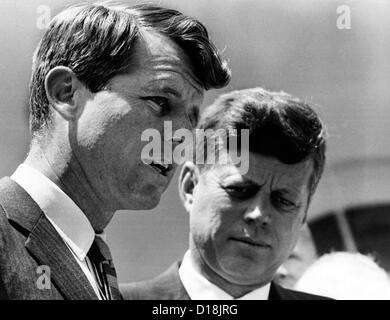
x,y
168,286
28,240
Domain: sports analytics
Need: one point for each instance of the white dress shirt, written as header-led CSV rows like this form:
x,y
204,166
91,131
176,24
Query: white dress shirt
x,y
199,288
65,216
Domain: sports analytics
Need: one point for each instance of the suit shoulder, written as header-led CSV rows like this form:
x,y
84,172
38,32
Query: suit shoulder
x,y
166,286
143,290
299,295
4,225
12,234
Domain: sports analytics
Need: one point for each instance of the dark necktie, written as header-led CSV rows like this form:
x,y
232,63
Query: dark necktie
x,y
104,270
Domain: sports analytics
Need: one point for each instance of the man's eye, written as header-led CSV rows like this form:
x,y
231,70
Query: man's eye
x,y
241,192
283,203
159,104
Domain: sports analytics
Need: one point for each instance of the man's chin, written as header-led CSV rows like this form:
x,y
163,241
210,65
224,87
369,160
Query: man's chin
x,y
246,273
146,203
151,204
254,279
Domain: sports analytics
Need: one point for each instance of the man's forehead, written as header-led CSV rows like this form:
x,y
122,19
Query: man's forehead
x,y
258,159
260,165
158,53
262,168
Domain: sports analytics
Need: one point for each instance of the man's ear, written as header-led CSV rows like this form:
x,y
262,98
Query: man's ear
x,y
188,179
61,85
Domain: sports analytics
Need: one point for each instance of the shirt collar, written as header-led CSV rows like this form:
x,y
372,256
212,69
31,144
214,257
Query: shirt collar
x,y
199,288
67,218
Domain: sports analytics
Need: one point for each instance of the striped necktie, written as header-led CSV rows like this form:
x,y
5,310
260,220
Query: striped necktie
x,y
104,270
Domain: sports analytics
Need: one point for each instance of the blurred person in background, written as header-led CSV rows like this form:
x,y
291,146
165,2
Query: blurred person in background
x,y
102,74
244,225
303,255
346,276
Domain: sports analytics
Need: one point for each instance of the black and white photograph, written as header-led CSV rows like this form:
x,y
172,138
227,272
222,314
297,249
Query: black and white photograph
x,y
195,150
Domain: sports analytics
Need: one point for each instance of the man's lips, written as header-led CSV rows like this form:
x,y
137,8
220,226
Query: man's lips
x,y
252,242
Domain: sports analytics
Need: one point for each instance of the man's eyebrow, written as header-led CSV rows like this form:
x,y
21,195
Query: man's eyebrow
x,y
164,89
170,91
288,191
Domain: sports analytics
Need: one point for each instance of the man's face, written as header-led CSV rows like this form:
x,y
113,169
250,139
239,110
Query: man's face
x,y
243,227
159,87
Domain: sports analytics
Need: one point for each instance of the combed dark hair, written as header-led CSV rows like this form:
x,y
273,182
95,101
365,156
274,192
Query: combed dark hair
x,y
97,42
280,126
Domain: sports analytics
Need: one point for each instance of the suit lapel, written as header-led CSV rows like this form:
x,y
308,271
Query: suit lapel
x,y
44,243
279,293
274,292
49,249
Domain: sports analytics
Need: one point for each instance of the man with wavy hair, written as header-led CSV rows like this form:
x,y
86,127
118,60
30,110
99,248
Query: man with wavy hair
x,y
101,75
244,223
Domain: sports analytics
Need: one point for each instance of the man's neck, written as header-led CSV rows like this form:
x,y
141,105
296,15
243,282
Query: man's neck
x,y
63,169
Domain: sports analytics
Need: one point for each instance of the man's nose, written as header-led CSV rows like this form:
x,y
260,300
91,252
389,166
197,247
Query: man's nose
x,y
282,272
257,213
